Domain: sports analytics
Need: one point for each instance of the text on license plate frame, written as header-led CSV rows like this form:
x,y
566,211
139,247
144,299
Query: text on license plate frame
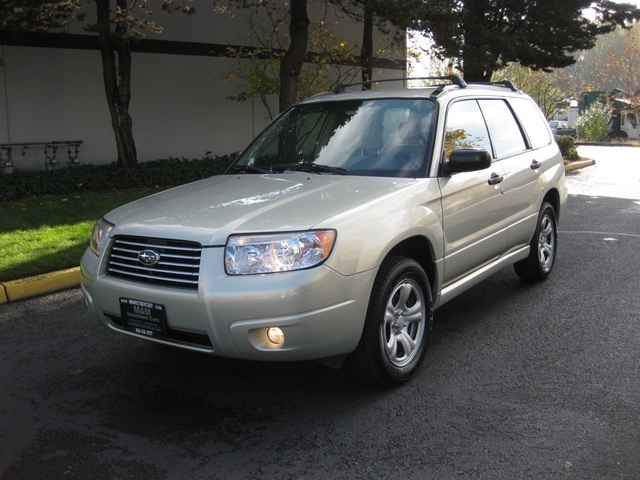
x,y
143,318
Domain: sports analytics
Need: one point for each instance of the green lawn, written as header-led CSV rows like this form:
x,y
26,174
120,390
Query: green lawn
x,y
49,233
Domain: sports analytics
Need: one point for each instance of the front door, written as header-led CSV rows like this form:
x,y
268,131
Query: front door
x,y
475,231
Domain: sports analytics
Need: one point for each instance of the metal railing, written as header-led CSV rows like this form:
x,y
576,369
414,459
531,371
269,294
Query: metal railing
x,y
50,150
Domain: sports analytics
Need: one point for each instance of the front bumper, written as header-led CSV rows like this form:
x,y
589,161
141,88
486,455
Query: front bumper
x,y
320,311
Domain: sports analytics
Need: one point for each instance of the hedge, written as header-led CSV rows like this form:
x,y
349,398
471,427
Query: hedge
x,y
567,146
103,178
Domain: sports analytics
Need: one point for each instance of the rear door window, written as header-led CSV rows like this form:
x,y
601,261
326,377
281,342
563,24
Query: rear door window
x,y
506,136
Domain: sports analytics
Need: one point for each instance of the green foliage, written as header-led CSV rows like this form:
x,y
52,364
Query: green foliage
x,y
483,36
256,73
38,15
541,86
567,146
611,64
331,58
593,125
133,19
104,178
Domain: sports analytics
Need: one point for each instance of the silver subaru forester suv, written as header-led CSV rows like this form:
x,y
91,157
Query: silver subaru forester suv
x,y
339,230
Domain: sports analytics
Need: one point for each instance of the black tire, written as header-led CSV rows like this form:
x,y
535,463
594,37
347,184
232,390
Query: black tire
x,y
544,244
397,326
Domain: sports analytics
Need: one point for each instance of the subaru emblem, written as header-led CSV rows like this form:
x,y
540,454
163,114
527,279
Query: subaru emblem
x,y
148,257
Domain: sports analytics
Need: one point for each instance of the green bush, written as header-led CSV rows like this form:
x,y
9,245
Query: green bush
x,y
567,146
103,178
593,124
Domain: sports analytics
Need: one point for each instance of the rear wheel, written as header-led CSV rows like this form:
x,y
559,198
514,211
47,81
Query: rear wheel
x,y
542,256
398,324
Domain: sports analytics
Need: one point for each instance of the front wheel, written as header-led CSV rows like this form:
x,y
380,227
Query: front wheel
x,y
542,256
397,327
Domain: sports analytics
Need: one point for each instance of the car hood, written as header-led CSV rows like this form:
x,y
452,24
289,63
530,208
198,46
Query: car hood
x,y
209,210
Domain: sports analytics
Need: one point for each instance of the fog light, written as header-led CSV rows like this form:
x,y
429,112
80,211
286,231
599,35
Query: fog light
x,y
275,335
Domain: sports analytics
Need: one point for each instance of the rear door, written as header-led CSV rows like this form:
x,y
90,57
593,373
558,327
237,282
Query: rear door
x,y
521,163
530,176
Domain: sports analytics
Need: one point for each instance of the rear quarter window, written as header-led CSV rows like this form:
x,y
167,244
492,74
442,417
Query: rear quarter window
x,y
533,121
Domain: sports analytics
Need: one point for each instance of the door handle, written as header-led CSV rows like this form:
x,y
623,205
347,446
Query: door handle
x,y
535,165
495,179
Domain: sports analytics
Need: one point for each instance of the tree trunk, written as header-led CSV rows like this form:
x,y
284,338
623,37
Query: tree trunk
x,y
478,63
472,74
291,63
116,69
366,52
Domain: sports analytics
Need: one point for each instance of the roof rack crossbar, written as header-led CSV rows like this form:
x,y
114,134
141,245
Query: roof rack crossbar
x,y
502,83
454,79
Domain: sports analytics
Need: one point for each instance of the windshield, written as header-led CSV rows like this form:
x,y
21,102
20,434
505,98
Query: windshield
x,y
390,137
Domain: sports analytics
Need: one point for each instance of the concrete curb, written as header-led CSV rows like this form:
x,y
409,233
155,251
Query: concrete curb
x,y
39,285
605,144
576,165
52,282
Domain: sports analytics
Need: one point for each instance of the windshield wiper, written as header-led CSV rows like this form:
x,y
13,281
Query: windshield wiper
x,y
245,169
309,168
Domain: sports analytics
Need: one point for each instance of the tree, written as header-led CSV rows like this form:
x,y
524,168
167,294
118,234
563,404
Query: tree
x,y
116,28
618,67
611,65
117,24
291,63
362,11
399,14
37,15
594,124
541,86
296,54
116,74
483,36
258,68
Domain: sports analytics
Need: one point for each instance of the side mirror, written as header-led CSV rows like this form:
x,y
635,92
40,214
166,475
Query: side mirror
x,y
468,160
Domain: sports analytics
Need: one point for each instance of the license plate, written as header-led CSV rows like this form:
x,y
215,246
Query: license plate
x,y
143,318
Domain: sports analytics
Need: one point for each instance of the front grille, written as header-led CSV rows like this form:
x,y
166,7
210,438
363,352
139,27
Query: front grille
x,y
179,263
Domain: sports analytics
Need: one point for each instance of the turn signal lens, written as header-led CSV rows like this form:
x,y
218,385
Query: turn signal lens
x,y
100,235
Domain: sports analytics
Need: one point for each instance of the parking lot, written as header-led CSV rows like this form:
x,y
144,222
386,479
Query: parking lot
x,y
521,381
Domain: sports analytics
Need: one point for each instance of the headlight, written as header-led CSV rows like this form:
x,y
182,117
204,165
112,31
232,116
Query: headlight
x,y
100,235
277,252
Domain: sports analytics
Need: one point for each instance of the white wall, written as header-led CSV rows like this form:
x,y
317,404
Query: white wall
x,y
4,114
178,105
60,99
185,112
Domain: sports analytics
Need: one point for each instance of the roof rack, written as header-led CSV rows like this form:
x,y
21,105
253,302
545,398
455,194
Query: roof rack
x,y
502,83
454,79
